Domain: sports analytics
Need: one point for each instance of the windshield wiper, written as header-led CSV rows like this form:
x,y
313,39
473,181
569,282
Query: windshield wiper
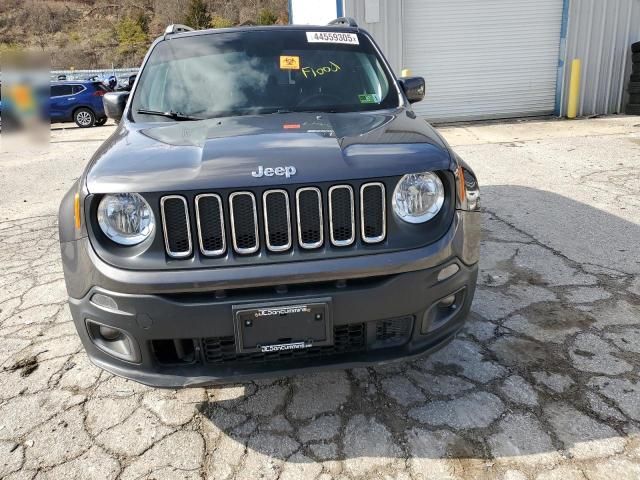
x,y
170,114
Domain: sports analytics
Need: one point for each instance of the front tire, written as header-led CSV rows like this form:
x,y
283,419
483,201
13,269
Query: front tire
x,y
84,118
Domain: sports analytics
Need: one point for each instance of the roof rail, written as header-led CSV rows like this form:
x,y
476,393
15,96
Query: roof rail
x,y
176,28
345,21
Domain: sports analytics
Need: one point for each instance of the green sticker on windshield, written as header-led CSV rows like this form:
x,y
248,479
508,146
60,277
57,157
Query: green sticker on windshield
x,y
368,98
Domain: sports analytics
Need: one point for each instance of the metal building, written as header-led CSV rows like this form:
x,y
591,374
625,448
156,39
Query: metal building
x,y
506,58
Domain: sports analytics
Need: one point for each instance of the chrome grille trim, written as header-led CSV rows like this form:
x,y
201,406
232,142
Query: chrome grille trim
x,y
276,248
381,237
164,227
244,251
349,241
211,253
320,209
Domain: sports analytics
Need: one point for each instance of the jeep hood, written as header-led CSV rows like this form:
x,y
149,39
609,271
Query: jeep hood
x,y
223,152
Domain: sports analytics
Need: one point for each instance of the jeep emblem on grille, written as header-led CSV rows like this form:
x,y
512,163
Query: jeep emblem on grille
x,y
287,171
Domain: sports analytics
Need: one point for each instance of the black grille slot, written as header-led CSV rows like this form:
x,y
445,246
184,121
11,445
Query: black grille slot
x,y
346,339
393,331
341,215
309,215
175,221
244,222
210,224
372,209
277,219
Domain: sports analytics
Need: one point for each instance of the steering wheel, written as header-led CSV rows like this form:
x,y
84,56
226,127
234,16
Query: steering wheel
x,y
310,100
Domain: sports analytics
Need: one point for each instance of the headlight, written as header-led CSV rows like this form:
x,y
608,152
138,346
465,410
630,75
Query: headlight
x,y
418,197
126,218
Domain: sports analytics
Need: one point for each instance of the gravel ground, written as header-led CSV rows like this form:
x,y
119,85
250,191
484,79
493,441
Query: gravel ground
x,y
543,382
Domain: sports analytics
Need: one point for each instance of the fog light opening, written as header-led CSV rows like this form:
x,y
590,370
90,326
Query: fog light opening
x,y
443,311
113,341
447,302
109,334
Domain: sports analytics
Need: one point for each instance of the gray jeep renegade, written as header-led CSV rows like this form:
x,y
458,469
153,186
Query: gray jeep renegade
x,y
269,203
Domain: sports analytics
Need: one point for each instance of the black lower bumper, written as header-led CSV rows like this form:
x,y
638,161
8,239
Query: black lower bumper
x,y
188,338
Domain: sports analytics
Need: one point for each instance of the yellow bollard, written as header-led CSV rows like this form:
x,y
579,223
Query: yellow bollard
x,y
405,73
574,89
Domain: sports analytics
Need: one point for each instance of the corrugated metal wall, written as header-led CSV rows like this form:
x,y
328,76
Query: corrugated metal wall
x,y
387,32
600,33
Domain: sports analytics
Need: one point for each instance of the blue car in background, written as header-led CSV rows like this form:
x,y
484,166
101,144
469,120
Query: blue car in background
x,y
78,101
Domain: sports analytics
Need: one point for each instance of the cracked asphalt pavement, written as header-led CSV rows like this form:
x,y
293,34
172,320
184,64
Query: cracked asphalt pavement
x,y
543,383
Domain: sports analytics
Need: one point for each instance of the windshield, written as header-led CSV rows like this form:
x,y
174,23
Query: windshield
x,y
267,71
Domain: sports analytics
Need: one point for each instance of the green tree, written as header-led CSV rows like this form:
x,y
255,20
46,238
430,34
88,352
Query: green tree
x,y
197,16
132,39
220,22
266,17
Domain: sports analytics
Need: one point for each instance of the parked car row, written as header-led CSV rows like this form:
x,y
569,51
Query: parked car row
x,y
78,101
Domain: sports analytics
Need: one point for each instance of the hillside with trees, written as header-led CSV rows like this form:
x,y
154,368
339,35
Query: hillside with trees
x,y
83,34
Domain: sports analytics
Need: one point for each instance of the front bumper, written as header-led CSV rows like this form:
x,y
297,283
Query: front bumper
x,y
388,290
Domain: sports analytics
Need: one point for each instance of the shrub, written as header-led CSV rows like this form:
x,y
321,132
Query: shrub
x,y
266,17
220,22
197,16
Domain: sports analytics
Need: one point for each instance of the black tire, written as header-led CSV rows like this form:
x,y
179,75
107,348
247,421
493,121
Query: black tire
x,y
635,77
84,117
636,57
635,48
633,109
634,99
635,69
101,121
634,87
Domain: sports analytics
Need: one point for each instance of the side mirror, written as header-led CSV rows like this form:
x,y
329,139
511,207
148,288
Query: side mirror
x,y
414,88
114,103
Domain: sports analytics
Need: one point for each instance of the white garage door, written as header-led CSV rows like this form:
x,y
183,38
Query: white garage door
x,y
483,58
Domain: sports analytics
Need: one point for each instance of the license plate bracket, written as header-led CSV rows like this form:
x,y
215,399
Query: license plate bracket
x,y
283,326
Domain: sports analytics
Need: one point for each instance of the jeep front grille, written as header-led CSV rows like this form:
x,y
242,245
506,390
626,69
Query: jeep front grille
x,y
175,222
210,221
244,222
373,208
309,214
275,220
341,215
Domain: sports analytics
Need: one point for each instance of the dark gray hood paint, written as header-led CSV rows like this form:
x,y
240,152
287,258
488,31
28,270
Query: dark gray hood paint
x,y
222,152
